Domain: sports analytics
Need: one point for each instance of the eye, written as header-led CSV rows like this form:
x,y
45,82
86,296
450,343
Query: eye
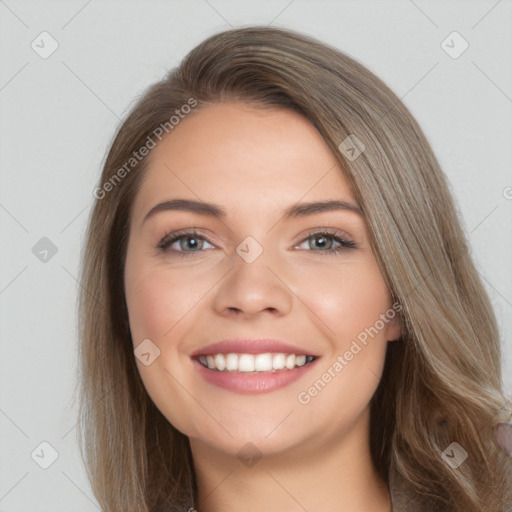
x,y
188,242
184,242
325,242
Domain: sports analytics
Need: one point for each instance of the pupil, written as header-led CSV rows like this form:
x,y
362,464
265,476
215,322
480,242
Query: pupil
x,y
322,241
192,242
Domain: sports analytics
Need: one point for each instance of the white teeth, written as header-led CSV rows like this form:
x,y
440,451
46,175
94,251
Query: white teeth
x,y
279,362
263,362
246,363
232,362
254,363
220,362
300,360
290,361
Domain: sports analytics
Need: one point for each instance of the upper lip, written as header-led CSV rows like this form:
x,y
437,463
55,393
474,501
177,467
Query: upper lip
x,y
251,346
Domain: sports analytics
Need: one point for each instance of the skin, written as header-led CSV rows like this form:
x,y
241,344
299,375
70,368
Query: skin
x,y
255,163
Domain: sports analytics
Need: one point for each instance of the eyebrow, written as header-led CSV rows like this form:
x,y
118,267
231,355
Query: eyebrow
x,y
216,211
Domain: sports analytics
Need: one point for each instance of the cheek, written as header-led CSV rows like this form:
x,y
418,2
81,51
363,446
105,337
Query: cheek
x,y
157,300
156,303
348,301
347,306
151,305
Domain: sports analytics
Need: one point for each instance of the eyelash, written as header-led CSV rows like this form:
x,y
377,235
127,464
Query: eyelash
x,y
170,238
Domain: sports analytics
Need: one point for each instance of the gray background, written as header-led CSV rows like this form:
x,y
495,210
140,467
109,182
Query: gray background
x,y
59,114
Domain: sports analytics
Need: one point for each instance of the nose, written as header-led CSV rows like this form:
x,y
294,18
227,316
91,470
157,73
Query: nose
x,y
251,289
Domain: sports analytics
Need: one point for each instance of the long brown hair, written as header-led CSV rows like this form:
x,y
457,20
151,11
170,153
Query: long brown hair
x,y
442,380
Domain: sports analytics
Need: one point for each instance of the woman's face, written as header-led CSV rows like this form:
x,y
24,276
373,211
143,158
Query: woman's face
x,y
261,265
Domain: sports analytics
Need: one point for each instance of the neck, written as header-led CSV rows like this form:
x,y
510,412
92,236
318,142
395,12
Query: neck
x,y
321,475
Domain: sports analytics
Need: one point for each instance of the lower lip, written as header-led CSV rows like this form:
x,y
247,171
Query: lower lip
x,y
249,383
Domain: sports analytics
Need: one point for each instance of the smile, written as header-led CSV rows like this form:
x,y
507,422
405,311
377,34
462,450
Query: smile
x,y
254,363
251,374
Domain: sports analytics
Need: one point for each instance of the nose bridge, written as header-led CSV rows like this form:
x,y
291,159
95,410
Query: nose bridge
x,y
252,285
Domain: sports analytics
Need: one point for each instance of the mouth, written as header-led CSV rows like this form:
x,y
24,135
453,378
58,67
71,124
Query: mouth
x,y
251,366
254,364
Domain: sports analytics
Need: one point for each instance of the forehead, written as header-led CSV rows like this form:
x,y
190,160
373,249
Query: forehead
x,y
232,153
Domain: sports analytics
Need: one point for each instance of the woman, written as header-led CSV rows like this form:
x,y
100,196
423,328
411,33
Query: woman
x,y
279,311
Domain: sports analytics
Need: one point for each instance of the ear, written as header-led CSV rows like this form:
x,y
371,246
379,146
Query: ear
x,y
393,331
